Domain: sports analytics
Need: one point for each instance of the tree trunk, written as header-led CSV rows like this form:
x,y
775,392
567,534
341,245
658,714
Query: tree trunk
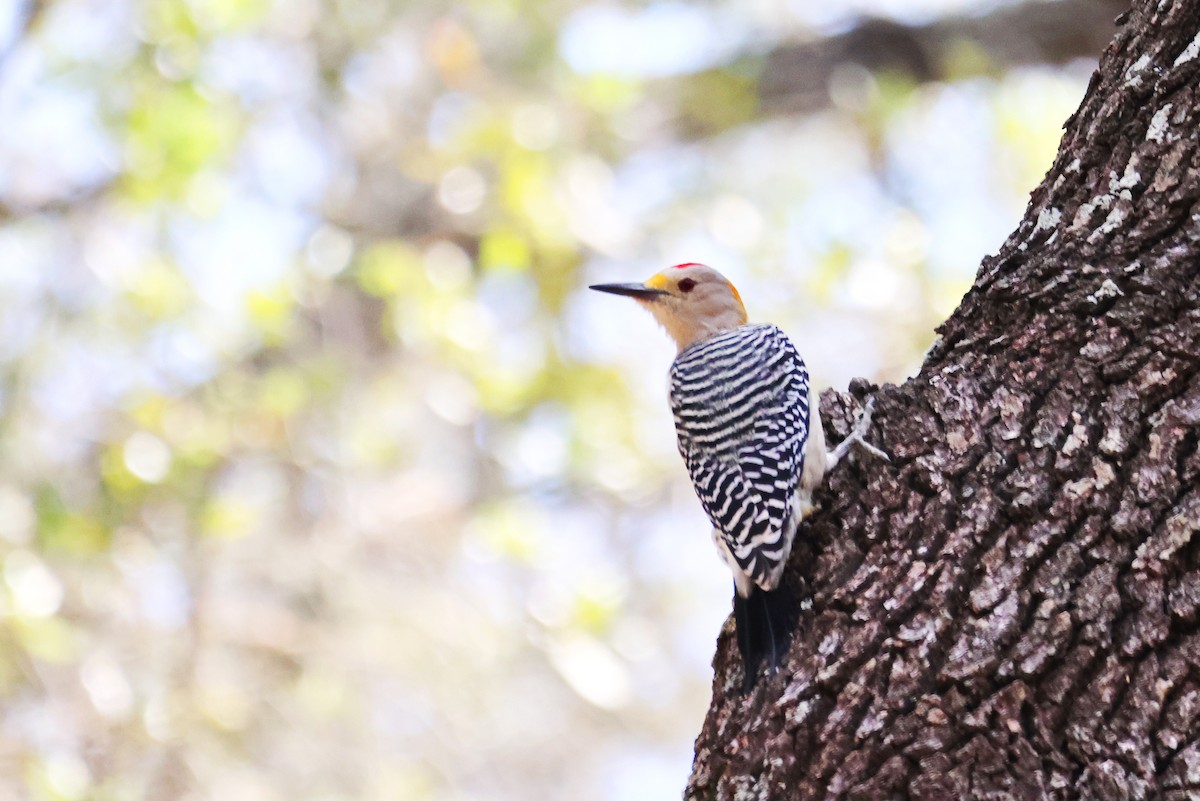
x,y
1011,609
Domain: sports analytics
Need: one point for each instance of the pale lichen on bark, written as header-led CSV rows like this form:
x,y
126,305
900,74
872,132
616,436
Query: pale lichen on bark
x,y
1012,608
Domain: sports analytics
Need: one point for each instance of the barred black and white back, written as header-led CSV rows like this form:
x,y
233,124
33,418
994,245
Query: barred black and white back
x,y
741,405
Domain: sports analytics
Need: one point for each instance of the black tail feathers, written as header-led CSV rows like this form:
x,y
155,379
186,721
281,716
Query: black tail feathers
x,y
764,622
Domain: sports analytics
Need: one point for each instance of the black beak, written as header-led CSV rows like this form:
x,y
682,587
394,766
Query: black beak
x,y
639,291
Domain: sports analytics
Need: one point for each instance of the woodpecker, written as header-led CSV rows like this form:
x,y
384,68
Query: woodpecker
x,y
750,434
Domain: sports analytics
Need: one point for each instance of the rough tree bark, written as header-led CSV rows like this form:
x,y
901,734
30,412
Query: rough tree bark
x,y
1012,608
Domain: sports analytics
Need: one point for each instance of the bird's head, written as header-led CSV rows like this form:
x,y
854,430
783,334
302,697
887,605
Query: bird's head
x,y
692,301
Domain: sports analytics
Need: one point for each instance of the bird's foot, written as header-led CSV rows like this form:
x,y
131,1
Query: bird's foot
x,y
857,438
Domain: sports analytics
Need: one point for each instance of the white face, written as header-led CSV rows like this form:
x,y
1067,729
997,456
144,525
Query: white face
x,y
694,302
689,287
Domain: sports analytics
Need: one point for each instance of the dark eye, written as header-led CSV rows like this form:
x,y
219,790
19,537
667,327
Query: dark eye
x,y
687,285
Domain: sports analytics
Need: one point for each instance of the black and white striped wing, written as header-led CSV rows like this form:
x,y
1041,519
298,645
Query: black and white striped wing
x,y
740,401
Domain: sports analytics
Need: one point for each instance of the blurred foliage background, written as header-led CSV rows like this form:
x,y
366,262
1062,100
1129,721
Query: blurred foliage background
x,y
321,475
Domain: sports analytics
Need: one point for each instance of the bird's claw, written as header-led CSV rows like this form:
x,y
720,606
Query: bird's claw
x,y
857,437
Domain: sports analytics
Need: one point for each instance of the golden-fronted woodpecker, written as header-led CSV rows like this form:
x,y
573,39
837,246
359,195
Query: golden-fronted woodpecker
x,y
750,434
